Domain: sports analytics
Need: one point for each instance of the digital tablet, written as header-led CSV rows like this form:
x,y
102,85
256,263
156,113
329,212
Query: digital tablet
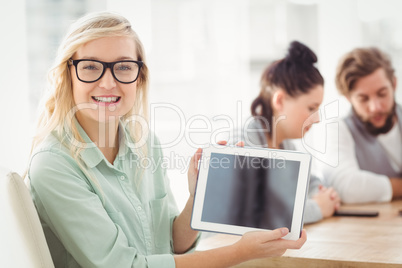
x,y
242,189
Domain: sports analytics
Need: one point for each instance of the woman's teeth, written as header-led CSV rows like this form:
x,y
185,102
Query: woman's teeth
x,y
106,99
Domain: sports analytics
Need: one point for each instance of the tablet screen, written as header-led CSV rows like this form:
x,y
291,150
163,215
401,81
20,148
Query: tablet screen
x,y
250,191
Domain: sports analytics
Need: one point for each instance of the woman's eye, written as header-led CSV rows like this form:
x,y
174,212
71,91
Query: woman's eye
x,y
124,68
90,67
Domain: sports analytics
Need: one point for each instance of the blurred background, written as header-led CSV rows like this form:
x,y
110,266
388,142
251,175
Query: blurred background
x,y
205,59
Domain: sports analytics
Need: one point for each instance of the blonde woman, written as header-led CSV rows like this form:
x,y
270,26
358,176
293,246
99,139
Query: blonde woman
x,y
98,205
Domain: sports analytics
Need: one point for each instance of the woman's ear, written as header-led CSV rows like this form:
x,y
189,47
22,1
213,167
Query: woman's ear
x,y
278,100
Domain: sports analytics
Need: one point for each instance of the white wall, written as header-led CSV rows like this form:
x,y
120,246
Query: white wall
x,y
205,58
16,119
14,106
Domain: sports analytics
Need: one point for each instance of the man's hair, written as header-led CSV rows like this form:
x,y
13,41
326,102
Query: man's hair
x,y
359,63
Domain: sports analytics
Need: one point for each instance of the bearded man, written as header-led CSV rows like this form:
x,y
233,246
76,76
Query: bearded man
x,y
370,139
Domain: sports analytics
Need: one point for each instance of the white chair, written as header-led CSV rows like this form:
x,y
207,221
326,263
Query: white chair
x,y
22,241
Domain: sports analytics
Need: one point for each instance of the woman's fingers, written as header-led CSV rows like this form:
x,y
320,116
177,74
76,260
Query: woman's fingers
x,y
194,161
240,144
290,244
274,234
300,242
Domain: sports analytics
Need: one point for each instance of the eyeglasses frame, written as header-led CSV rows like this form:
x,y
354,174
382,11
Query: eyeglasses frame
x,y
105,66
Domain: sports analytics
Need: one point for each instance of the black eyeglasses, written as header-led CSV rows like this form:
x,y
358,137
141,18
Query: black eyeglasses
x,y
89,71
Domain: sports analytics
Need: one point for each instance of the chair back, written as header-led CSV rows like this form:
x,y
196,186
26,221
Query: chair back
x,y
22,241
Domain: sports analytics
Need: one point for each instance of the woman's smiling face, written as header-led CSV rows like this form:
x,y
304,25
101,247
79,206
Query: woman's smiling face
x,y
106,99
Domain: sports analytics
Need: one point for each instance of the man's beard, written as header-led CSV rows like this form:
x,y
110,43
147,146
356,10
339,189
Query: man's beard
x,y
375,131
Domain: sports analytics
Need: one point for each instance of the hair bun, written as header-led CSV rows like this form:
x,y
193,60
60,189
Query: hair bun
x,y
300,53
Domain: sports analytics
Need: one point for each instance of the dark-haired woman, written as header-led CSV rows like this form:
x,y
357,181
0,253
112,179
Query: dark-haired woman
x,y
291,93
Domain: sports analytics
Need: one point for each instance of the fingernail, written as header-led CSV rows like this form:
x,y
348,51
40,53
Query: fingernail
x,y
284,231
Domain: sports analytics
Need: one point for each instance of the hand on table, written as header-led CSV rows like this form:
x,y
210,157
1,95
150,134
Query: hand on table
x,y
328,201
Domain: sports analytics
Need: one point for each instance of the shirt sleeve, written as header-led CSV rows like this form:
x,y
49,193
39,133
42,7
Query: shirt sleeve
x,y
173,216
312,211
353,184
172,202
74,213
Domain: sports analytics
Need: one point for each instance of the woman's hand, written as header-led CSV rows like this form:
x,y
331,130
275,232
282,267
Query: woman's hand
x,y
252,245
193,168
193,172
328,201
239,143
268,244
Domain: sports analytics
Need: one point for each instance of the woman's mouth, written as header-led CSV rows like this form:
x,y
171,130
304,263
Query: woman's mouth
x,y
106,100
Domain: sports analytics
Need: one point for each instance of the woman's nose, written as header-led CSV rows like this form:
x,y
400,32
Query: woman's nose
x,y
107,81
315,117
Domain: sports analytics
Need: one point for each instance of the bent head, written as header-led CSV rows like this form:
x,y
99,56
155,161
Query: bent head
x,y
291,92
296,114
366,78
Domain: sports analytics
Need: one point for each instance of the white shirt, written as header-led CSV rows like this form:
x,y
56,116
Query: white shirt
x,y
392,147
353,184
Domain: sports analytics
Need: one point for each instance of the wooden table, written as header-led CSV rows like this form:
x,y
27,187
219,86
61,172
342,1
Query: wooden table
x,y
339,241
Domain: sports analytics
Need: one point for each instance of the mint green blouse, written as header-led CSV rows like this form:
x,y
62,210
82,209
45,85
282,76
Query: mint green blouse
x,y
125,222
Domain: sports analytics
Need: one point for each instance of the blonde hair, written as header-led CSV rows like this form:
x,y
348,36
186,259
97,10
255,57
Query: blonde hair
x,y
59,102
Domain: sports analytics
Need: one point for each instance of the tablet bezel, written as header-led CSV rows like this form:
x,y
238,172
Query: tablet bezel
x,y
301,190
